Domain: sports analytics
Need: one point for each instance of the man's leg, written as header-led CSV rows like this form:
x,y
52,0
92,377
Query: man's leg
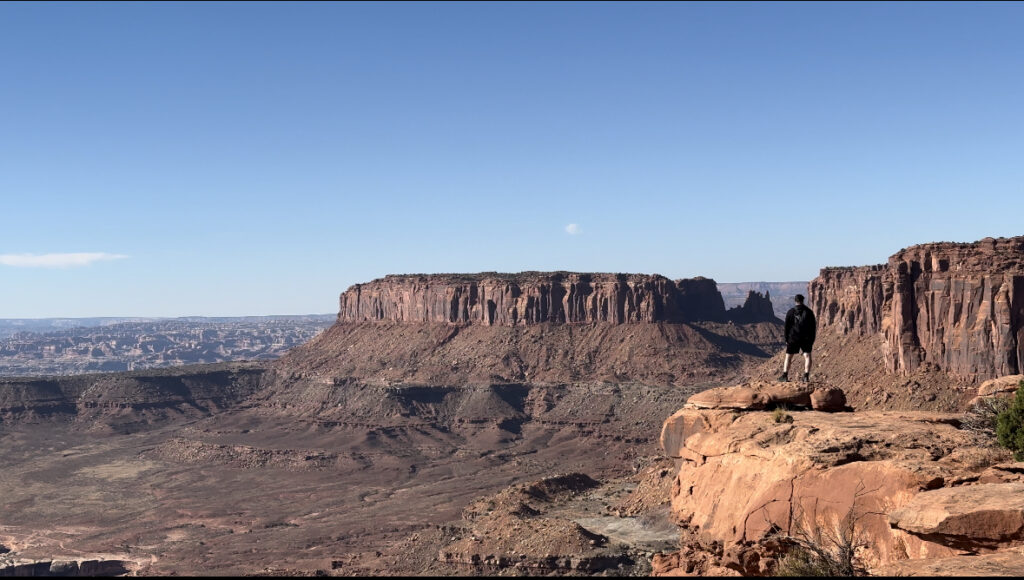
x,y
785,367
807,366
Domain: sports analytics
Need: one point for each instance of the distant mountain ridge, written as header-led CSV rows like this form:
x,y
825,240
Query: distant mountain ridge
x,y
11,326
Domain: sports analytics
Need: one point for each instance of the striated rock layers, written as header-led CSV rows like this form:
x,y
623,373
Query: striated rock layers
x,y
536,328
526,298
912,484
130,401
958,308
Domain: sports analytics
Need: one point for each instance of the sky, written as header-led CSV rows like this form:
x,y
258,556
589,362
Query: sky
x,y
228,159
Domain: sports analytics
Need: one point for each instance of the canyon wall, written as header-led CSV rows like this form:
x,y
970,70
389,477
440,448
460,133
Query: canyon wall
x,y
951,306
494,299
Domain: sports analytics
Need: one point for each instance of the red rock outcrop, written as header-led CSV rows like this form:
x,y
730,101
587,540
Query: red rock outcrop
x,y
744,478
526,298
975,517
761,395
756,395
955,307
1002,387
756,308
1003,563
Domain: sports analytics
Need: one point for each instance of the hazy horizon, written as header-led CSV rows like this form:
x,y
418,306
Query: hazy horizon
x,y
177,159
334,312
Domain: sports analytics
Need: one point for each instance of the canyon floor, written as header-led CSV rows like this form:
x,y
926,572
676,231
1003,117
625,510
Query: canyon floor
x,y
253,490
301,468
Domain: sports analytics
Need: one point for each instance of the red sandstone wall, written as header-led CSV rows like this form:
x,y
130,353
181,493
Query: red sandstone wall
x,y
530,298
959,307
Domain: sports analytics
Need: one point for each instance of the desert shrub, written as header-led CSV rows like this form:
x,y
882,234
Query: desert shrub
x,y
819,546
822,552
1010,425
779,415
981,417
802,562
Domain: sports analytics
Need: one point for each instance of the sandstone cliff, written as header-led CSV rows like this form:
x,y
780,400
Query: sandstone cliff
x,y
957,308
914,485
495,299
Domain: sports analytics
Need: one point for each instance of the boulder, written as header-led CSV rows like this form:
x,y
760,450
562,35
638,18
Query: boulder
x,y
1002,385
1002,388
753,396
828,399
1003,473
988,515
64,568
1002,563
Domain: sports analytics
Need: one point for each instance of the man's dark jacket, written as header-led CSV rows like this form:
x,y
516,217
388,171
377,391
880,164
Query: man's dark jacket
x,y
801,326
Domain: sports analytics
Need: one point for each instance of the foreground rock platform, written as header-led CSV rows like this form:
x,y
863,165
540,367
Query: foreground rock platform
x,y
911,482
760,395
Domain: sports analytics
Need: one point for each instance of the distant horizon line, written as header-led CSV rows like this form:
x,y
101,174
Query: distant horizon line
x,y
334,313
147,318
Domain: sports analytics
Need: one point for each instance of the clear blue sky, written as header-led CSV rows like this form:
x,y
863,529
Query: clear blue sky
x,y
245,159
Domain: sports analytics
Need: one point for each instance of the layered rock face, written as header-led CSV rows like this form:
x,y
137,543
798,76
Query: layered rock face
x,y
526,298
955,307
130,401
849,300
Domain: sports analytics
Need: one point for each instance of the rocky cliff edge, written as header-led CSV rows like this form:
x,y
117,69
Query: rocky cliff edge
x,y
913,491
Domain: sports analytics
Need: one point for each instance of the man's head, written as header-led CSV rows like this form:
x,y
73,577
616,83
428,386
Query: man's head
x,y
799,298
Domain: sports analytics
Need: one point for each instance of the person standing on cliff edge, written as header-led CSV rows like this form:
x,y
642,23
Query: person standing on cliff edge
x,y
801,329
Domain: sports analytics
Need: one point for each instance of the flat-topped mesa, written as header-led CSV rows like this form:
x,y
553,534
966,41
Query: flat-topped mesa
x,y
491,298
954,306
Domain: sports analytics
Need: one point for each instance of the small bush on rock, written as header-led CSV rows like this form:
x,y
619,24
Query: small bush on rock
x,y
803,562
818,546
779,415
1010,425
981,417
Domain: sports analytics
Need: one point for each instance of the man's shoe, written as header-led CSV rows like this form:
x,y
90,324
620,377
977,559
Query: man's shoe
x,y
807,377
783,378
